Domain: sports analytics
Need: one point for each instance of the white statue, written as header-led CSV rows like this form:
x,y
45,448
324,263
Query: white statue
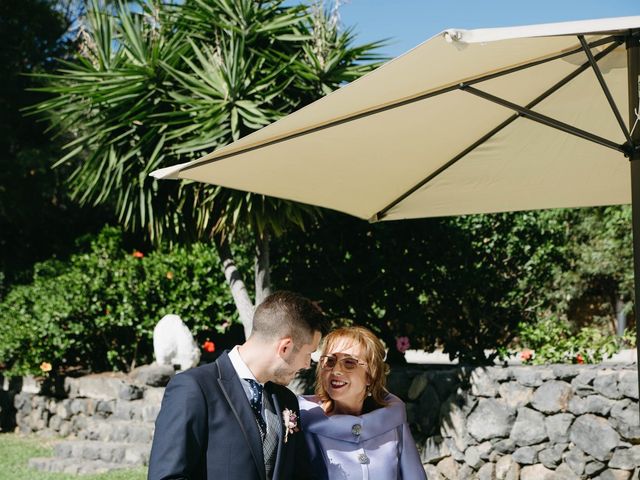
x,y
173,343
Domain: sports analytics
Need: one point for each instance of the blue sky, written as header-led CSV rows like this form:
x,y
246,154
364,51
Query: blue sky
x,y
410,22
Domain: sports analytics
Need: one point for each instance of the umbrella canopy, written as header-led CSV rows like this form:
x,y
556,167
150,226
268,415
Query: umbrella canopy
x,y
453,127
471,121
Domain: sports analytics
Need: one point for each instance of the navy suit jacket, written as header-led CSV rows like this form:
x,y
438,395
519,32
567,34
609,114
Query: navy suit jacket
x,y
206,430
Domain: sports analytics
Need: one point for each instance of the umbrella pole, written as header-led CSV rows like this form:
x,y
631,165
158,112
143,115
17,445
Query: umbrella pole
x,y
633,68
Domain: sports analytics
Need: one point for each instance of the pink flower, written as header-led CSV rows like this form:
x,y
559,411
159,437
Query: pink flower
x,y
526,355
402,344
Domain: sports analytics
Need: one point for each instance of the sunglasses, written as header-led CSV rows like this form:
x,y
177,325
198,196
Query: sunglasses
x,y
327,362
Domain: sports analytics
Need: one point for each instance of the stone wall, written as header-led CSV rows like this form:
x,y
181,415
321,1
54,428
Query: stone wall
x,y
107,419
527,422
517,422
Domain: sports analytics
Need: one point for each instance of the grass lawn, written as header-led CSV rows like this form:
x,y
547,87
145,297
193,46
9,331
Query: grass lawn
x,y
16,450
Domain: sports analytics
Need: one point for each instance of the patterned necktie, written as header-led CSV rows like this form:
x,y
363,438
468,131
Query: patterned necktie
x,y
256,404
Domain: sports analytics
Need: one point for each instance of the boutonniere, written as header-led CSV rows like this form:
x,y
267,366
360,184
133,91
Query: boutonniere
x,y
290,423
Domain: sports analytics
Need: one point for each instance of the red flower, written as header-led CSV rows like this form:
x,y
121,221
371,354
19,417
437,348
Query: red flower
x,y
137,254
579,358
526,355
209,346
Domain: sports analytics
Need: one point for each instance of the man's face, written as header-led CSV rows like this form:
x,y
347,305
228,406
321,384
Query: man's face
x,y
294,360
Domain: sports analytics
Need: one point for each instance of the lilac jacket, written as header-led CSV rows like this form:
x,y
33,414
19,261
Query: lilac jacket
x,y
375,445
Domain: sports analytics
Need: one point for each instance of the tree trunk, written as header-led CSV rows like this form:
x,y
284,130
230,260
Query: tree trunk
x,y
262,268
621,317
238,288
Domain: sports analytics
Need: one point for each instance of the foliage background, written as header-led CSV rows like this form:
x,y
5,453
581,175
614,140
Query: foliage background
x,y
37,217
179,86
97,311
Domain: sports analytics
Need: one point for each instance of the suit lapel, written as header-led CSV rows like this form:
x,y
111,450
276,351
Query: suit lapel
x,y
278,411
231,388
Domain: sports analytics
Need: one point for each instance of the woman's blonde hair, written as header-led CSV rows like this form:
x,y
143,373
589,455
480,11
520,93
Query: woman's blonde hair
x,y
373,354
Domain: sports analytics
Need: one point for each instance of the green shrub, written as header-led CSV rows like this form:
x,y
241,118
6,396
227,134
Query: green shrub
x,y
551,340
98,310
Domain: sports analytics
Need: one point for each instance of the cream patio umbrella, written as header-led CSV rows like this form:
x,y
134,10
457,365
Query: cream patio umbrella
x,y
470,121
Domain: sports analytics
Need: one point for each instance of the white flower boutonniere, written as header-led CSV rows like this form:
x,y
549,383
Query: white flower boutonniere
x,y
290,423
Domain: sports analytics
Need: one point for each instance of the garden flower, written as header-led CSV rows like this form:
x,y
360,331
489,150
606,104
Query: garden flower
x,y
209,346
45,367
579,358
402,344
170,275
526,355
137,254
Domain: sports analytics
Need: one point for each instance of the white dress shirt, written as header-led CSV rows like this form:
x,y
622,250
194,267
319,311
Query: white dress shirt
x,y
243,372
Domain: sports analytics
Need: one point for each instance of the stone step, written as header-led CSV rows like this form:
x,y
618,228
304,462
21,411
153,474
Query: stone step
x,y
139,410
73,466
134,454
117,431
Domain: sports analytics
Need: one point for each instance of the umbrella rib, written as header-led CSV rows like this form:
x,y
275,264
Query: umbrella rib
x,y
545,120
603,41
378,216
605,88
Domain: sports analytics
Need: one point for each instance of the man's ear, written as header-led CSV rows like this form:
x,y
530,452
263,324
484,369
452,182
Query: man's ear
x,y
285,346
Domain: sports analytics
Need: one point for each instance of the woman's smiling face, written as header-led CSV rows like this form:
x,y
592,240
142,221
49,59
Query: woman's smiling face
x,y
346,387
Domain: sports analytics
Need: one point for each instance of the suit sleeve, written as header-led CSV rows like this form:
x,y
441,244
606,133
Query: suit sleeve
x,y
410,464
180,433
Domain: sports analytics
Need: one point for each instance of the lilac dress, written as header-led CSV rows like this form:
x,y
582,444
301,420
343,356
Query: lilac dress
x,y
372,446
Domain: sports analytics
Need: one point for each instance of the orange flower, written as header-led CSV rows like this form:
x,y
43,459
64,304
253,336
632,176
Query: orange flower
x,y
137,254
579,358
170,275
209,346
45,367
526,355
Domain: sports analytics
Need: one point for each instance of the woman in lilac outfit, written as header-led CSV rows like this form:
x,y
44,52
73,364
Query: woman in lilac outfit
x,y
354,427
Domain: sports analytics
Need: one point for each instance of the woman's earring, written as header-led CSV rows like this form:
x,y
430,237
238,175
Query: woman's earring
x,y
368,390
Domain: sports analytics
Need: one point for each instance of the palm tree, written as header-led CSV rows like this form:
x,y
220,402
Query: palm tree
x,y
160,83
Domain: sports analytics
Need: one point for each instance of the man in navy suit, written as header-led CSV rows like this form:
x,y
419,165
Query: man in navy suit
x,y
234,419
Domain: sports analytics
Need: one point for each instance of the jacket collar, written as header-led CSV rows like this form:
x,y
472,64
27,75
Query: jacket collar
x,y
235,396
344,427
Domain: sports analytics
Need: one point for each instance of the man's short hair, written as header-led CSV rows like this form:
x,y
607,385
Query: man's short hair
x,y
287,314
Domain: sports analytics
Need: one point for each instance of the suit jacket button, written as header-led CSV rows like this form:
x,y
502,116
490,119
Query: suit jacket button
x,y
362,458
356,429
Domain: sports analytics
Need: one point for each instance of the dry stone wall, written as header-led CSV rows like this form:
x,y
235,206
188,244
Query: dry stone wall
x,y
524,422
516,422
107,420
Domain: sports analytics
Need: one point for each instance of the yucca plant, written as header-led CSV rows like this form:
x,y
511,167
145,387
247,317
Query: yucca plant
x,y
157,83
